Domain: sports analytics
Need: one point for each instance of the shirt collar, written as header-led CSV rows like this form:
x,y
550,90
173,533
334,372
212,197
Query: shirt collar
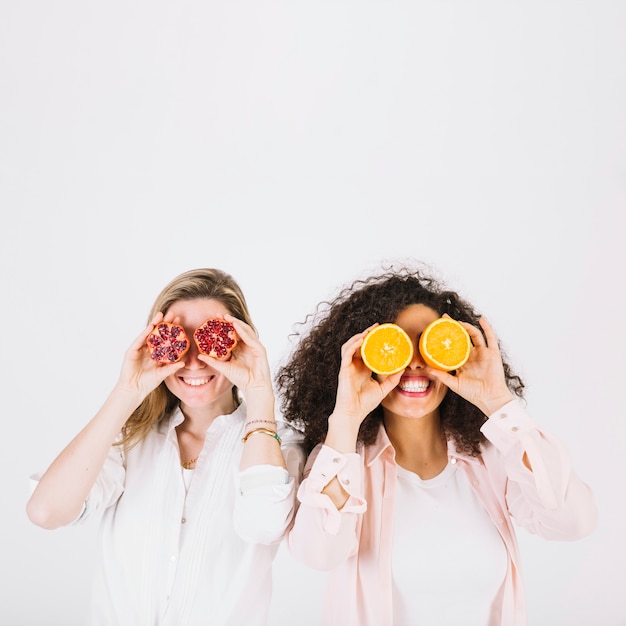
x,y
382,447
220,422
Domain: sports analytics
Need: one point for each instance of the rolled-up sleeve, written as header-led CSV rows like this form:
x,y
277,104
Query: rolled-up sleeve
x,y
328,465
264,504
108,487
549,499
323,536
266,494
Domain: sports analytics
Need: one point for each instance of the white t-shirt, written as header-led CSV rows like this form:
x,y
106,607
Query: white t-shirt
x,y
448,560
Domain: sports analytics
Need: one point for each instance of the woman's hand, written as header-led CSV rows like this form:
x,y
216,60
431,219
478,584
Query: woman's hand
x,y
247,366
66,484
358,394
481,380
140,373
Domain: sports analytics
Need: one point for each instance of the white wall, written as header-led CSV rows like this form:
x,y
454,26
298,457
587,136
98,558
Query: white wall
x,y
296,144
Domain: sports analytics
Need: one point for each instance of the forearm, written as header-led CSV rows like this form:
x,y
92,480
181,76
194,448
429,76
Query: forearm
x,y
261,448
341,436
62,490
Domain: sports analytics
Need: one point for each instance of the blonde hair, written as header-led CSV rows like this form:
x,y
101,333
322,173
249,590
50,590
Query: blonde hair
x,y
207,283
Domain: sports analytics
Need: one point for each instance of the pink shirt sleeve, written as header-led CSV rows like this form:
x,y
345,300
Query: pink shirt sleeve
x,y
323,536
549,500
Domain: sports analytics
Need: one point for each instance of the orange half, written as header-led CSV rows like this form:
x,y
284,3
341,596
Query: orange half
x,y
445,344
387,349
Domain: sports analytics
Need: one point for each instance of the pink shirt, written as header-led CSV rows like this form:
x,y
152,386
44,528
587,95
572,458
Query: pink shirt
x,y
355,543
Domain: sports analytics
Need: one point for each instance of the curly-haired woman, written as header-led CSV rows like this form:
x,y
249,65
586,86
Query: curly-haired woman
x,y
185,467
414,481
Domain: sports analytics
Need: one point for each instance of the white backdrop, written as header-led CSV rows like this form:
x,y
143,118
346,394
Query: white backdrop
x,y
295,145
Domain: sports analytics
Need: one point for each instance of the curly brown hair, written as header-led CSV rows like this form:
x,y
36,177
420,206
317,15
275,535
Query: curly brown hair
x,y
307,381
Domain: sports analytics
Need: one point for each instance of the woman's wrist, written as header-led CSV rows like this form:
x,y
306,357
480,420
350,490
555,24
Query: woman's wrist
x,y
343,433
496,403
260,410
253,424
126,397
259,397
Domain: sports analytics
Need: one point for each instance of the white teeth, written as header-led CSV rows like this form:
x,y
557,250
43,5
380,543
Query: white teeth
x,y
414,386
195,382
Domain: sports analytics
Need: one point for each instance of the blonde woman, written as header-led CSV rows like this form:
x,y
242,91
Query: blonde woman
x,y
187,471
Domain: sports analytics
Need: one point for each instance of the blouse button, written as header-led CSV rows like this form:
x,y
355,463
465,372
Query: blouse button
x,y
503,415
345,481
336,459
182,521
453,461
514,429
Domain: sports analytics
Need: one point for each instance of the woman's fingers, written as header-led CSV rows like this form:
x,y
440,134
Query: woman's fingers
x,y
390,382
168,370
246,366
140,340
488,339
492,340
350,348
243,330
478,340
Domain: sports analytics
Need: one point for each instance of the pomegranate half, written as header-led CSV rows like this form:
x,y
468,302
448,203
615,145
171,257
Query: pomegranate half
x,y
215,337
168,343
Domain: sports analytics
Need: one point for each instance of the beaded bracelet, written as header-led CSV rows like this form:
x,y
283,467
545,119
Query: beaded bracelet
x,y
261,422
264,431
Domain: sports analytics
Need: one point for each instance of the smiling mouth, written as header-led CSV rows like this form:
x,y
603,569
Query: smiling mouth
x,y
195,382
413,385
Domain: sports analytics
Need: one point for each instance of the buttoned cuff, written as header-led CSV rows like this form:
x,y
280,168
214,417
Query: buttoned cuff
x,y
508,426
347,469
512,427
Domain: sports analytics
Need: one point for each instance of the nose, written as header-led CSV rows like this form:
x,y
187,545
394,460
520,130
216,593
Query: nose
x,y
417,362
192,362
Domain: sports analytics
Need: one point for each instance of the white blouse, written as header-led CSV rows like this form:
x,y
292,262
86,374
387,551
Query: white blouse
x,y
172,556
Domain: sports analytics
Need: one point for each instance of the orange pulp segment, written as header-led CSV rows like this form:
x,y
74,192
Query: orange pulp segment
x,y
387,349
445,344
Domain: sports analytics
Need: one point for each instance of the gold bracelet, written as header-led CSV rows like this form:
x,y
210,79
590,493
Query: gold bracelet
x,y
264,431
